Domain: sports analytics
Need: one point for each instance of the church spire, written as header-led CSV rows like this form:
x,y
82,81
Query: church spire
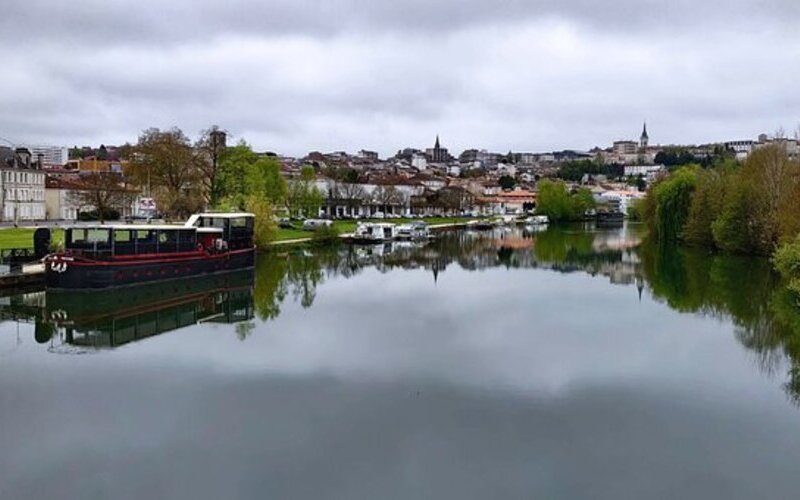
x,y
644,139
436,146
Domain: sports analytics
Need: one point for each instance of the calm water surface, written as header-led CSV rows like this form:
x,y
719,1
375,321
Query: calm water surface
x,y
569,363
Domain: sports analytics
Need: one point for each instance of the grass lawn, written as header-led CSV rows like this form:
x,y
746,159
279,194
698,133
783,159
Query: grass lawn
x,y
348,226
22,237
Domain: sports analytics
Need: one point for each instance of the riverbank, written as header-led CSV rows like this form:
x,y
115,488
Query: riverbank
x,y
346,227
22,237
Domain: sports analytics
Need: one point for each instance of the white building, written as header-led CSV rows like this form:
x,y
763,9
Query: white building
x,y
22,192
60,202
52,156
741,148
419,161
644,170
619,200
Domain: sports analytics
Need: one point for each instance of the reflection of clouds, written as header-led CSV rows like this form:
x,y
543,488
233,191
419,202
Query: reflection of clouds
x,y
540,332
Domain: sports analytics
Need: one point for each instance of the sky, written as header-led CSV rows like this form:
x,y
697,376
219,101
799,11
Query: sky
x,y
293,76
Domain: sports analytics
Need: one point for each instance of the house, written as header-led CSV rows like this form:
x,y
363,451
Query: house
x,y
60,200
21,186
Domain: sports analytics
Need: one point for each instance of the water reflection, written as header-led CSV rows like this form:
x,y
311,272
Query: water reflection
x,y
71,322
742,290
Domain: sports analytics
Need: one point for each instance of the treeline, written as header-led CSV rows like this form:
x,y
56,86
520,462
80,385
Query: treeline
x,y
676,157
753,208
575,170
748,209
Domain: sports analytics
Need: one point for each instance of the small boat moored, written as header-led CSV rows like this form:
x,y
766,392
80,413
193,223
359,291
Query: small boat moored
x,y
416,230
374,232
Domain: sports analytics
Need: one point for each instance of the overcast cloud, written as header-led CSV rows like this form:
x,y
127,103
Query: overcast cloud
x,y
294,75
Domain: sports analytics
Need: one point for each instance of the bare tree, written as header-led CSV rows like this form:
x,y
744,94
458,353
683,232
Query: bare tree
x,y
103,192
388,196
210,147
353,195
166,163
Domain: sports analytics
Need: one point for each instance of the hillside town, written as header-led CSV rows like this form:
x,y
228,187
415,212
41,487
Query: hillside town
x,y
58,183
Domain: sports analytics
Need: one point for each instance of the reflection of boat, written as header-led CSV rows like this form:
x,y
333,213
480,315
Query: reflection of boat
x,y
480,225
416,230
537,220
115,317
374,232
112,255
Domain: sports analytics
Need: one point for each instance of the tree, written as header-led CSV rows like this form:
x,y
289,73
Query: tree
x,y
454,199
303,198
211,147
774,178
165,163
705,208
103,193
553,201
351,194
265,227
388,196
263,178
673,198
232,174
735,230
507,182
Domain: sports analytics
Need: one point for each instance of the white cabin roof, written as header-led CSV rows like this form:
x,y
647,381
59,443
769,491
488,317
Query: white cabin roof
x,y
135,227
221,215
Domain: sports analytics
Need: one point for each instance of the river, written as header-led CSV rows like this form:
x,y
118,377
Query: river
x,y
571,362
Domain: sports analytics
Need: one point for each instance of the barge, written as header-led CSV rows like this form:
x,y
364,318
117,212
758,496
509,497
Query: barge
x,y
103,256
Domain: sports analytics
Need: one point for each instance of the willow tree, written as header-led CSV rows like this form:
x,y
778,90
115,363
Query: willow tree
x,y
673,198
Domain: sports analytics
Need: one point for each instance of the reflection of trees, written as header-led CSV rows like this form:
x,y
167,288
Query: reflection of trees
x,y
766,316
298,273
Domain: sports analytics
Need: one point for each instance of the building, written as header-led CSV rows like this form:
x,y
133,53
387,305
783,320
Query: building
x,y
52,156
22,192
21,185
60,199
624,148
368,155
644,170
438,154
740,148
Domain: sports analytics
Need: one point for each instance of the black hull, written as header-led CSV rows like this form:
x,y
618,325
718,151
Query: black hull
x,y
83,276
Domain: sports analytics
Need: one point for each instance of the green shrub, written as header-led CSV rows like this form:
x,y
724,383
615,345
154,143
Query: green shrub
x,y
325,235
787,262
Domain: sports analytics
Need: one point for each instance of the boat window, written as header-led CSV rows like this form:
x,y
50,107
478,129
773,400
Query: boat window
x,y
145,241
97,235
167,241
213,222
122,236
77,236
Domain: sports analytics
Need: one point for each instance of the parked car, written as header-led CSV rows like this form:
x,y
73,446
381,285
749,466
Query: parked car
x,y
312,224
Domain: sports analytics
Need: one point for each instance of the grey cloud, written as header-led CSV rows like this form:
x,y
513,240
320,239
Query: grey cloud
x,y
293,76
158,22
